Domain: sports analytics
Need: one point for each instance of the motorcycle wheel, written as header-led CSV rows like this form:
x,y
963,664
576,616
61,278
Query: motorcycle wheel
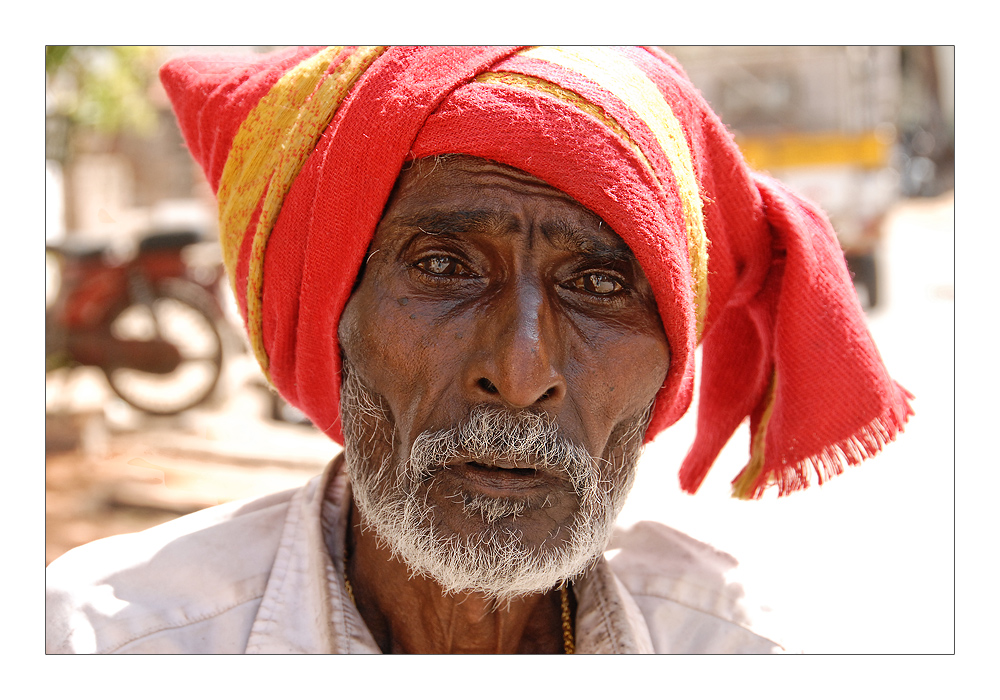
x,y
183,315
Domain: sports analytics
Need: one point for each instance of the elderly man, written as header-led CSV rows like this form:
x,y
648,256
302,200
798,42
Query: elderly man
x,y
485,272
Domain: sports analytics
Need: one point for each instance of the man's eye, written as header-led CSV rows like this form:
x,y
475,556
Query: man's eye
x,y
442,265
598,283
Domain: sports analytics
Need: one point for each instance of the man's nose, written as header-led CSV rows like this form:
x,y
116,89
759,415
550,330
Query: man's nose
x,y
520,351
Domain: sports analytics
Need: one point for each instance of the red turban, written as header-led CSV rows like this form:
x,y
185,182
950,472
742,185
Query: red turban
x,y
303,147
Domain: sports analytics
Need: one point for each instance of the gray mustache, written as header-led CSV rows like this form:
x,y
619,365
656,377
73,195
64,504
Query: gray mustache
x,y
493,435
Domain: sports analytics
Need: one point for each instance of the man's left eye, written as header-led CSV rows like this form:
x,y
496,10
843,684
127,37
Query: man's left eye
x,y
442,265
599,283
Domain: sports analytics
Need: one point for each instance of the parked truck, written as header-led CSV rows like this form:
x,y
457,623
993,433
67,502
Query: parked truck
x,y
822,119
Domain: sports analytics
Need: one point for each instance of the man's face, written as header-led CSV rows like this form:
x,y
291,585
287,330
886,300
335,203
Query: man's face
x,y
501,354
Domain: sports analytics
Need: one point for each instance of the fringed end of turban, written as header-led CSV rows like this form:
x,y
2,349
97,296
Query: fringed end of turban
x,y
764,471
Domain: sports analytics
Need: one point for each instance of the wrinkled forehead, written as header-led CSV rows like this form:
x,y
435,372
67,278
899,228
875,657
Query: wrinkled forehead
x,y
454,193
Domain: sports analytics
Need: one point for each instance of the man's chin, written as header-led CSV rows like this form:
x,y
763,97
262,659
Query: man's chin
x,y
512,556
476,566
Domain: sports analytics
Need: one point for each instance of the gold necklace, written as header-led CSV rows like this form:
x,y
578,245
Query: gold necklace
x,y
569,645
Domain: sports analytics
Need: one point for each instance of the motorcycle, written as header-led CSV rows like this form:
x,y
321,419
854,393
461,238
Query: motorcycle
x,y
150,322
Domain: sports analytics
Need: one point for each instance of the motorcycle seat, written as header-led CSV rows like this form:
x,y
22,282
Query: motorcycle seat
x,y
171,240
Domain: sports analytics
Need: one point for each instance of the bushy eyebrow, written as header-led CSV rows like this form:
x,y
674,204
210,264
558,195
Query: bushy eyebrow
x,y
559,233
578,240
458,221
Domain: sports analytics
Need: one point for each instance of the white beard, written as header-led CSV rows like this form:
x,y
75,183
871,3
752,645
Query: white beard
x,y
496,562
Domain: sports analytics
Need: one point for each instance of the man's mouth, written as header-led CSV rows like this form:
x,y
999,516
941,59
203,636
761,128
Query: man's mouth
x,y
498,479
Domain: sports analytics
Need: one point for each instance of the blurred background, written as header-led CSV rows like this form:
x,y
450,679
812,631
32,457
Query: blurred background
x,y
155,407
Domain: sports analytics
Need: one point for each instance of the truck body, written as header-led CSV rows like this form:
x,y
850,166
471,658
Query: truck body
x,y
820,118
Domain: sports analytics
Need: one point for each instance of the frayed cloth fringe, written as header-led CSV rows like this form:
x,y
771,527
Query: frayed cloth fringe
x,y
833,459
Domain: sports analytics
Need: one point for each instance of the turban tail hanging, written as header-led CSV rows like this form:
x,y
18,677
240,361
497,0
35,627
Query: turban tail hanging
x,y
304,146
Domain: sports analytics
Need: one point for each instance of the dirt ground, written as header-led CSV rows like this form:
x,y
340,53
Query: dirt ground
x,y
81,504
110,470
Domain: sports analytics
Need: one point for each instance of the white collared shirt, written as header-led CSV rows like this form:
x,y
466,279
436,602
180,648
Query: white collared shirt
x,y
257,577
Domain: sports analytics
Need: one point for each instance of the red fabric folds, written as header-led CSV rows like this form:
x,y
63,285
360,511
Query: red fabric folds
x,y
832,403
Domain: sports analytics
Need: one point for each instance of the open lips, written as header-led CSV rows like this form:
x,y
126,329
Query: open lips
x,y
501,476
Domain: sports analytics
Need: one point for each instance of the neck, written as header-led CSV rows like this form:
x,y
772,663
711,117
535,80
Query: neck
x,y
411,614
